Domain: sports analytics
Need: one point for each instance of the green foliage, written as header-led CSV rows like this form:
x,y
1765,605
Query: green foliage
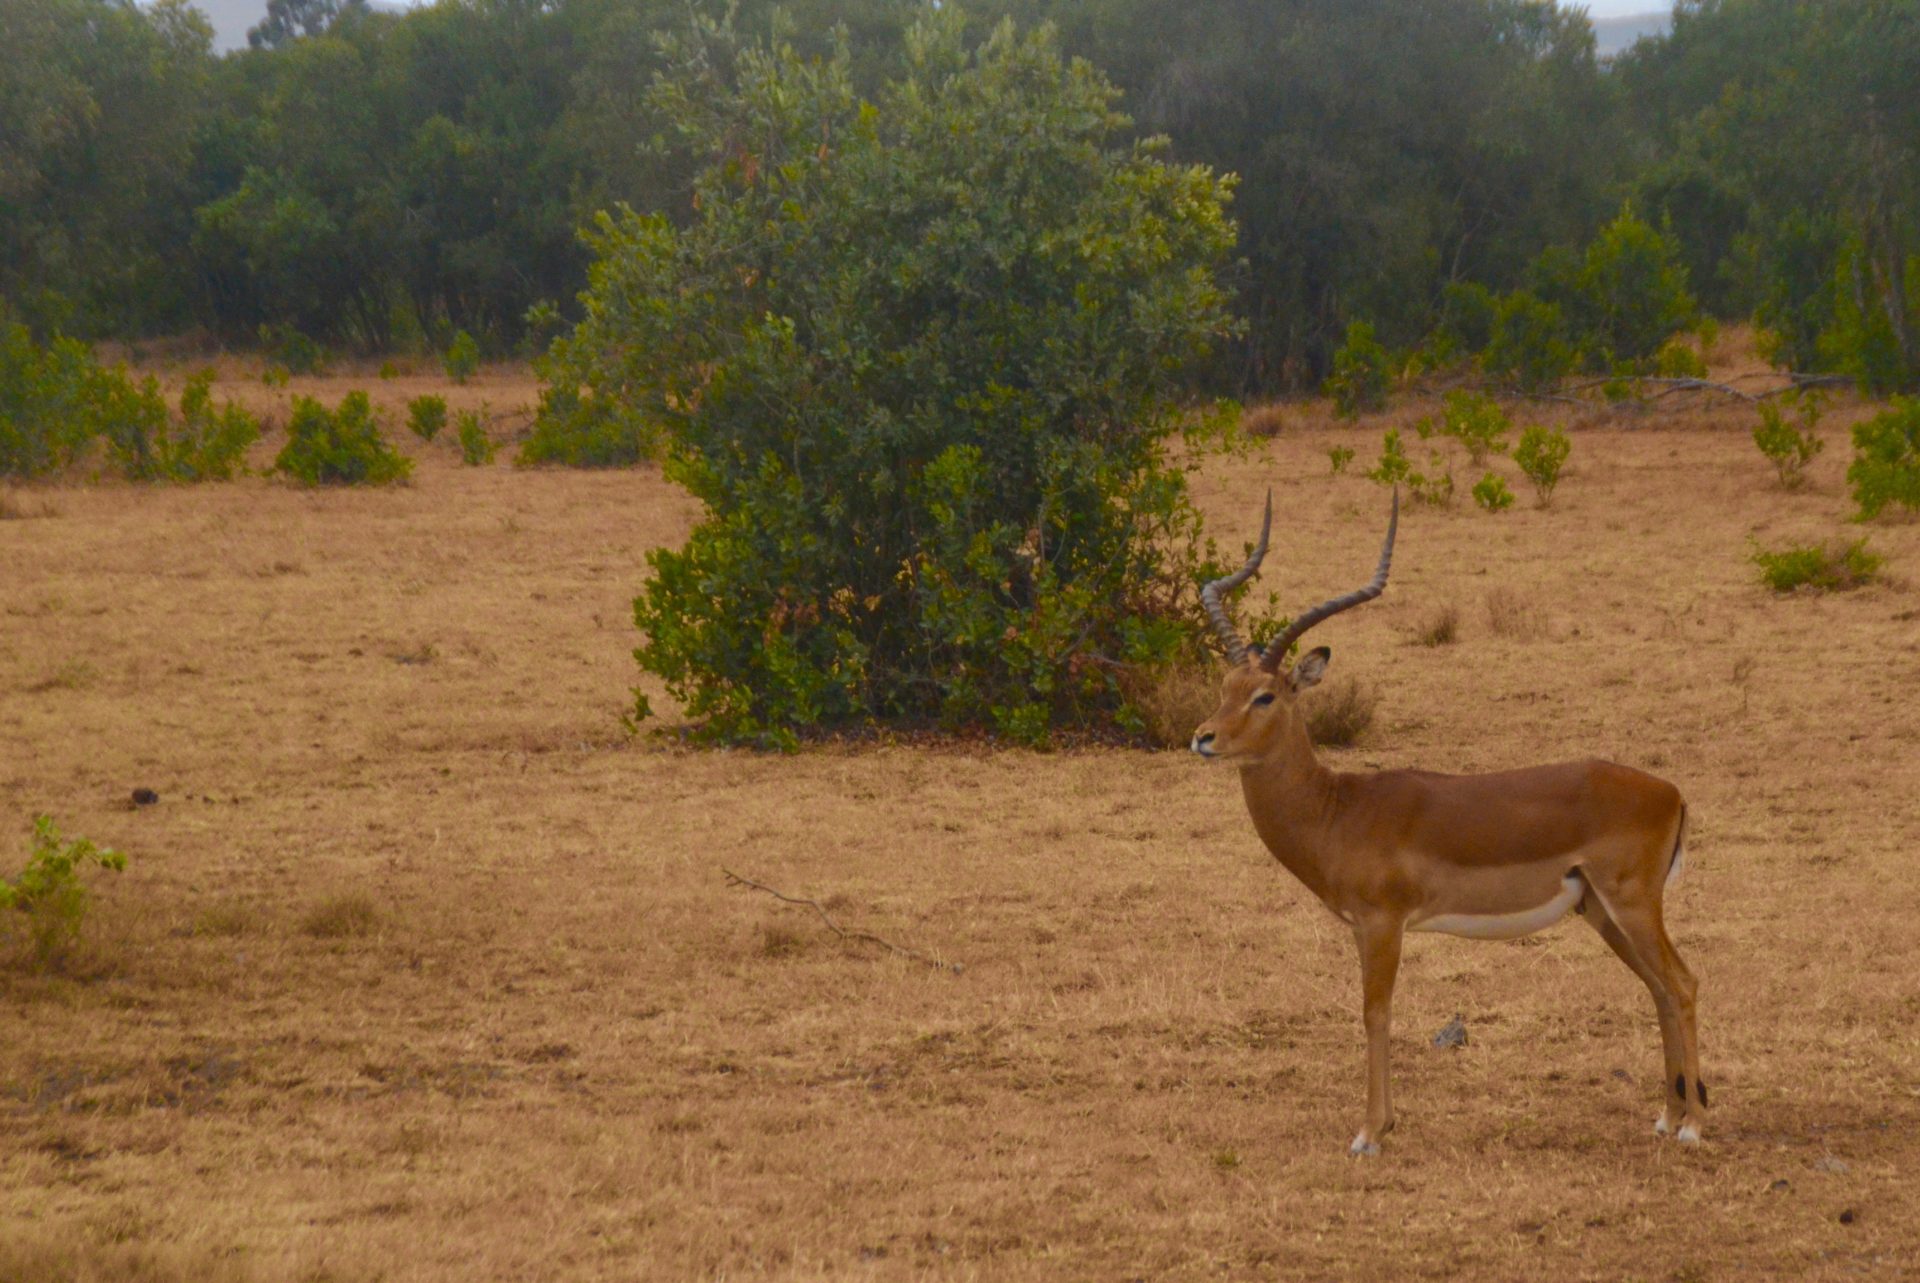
x,y
1339,456
426,415
1394,466
463,357
1886,459
1631,293
1869,339
1677,359
1360,375
56,400
1434,486
1541,454
1830,567
202,444
476,447
1528,346
919,356
1491,493
49,893
343,447
290,350
1789,447
1474,420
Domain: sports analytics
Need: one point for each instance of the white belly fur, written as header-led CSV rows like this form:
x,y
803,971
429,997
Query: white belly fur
x,y
1507,926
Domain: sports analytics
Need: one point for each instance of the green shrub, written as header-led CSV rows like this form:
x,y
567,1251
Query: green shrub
x,y
202,444
49,403
476,448
462,360
1360,375
1529,346
1477,422
426,415
1491,493
49,892
1677,359
1861,340
1631,292
342,447
1339,456
1788,447
1394,466
56,400
1541,454
1886,459
1830,567
1434,486
291,351
921,358
575,427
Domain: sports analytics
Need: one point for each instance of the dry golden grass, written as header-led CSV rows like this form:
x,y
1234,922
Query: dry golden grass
x,y
1440,628
569,1050
1340,712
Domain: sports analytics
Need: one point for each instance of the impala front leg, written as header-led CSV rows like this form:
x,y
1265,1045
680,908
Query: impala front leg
x,y
1379,963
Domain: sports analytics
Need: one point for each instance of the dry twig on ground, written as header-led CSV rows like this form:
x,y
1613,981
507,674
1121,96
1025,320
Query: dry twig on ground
x,y
735,880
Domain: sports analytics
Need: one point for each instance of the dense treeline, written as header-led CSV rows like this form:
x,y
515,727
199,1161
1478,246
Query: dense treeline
x,y
375,180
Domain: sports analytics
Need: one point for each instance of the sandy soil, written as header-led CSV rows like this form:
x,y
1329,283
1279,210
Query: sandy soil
x,y
422,969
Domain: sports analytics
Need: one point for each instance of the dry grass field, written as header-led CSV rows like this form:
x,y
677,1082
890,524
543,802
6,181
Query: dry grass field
x,y
422,969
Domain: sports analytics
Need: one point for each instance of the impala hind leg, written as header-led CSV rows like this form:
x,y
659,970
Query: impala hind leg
x,y
1379,965
1639,938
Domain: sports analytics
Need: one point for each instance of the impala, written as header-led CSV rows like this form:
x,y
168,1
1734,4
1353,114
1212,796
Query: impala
x,y
1489,856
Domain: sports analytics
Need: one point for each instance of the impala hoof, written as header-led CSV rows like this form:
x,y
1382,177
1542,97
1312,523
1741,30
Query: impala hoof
x,y
1363,1148
1689,1134
1660,1127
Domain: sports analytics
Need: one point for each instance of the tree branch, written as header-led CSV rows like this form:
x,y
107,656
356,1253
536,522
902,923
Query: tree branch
x,y
735,880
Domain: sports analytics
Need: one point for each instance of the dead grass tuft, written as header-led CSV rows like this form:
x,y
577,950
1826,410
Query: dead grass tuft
x,y
341,917
1513,616
1340,712
1263,420
1172,700
48,1258
14,508
225,919
1442,628
781,942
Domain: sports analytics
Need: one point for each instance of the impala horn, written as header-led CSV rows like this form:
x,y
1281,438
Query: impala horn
x,y
1277,649
1210,594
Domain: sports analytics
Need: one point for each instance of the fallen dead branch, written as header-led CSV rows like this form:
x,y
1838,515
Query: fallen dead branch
x,y
735,880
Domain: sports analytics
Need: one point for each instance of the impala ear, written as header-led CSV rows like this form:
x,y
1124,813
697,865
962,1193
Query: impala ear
x,y
1311,668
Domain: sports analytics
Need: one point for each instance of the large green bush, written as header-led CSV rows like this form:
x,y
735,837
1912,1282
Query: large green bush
x,y
919,357
1886,459
339,447
56,400
1360,375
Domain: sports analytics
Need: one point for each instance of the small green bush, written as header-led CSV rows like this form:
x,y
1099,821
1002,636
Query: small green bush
x,y
1529,346
1475,421
1394,466
49,891
1830,567
291,351
1339,456
426,415
202,444
1677,359
1541,454
1886,459
342,447
1789,447
1433,487
476,449
1360,375
463,357
1491,493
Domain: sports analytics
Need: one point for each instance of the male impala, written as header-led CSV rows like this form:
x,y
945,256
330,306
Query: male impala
x,y
1490,856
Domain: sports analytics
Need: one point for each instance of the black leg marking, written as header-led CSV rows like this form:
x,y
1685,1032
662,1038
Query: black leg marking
x,y
1680,1086
1701,1088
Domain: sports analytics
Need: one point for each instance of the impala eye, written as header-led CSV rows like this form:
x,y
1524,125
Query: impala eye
x,y
1262,700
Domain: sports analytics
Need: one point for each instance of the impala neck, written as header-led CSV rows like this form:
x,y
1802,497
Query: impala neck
x,y
1291,797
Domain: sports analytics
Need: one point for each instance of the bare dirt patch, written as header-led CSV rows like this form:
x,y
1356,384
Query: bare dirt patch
x,y
549,1042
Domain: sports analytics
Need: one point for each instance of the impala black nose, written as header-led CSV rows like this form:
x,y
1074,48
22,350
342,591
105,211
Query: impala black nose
x,y
1202,744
